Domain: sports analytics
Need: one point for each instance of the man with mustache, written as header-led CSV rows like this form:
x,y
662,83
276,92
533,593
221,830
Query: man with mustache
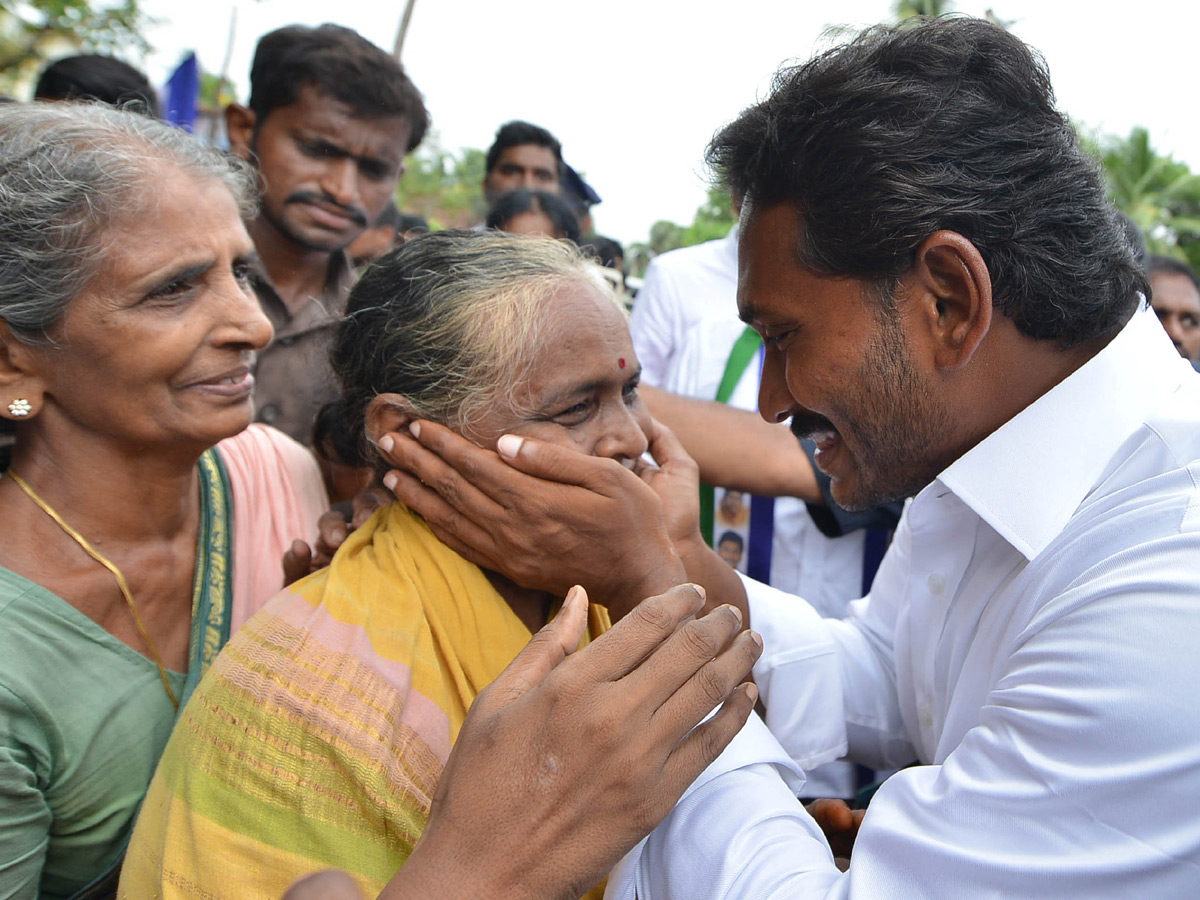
x,y
951,309
330,119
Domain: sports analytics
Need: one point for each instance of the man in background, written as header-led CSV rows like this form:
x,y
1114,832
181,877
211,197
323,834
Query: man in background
x,y
1175,296
330,119
523,155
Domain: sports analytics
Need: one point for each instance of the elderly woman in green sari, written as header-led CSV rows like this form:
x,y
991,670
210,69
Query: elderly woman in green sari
x,y
143,520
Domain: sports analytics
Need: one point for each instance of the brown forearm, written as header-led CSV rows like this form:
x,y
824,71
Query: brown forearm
x,y
735,448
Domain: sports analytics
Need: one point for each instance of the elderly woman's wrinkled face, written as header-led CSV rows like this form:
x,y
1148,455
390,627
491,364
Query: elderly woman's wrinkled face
x,y
580,386
159,347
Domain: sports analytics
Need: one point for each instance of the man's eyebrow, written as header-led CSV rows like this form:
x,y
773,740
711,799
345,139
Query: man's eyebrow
x,y
326,144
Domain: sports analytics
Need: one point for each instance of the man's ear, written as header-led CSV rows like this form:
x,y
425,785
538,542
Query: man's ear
x,y
388,412
954,289
240,122
20,377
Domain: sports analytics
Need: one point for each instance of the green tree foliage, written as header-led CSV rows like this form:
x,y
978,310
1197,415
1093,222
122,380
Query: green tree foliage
x,y
907,9
1160,194
712,220
36,30
443,186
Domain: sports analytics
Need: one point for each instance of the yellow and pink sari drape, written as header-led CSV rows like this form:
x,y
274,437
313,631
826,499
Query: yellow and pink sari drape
x,y
318,736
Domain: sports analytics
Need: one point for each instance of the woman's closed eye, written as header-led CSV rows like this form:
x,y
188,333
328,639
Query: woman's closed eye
x,y
630,392
574,414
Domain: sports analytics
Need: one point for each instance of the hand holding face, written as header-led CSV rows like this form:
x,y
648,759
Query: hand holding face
x,y
543,515
676,480
565,762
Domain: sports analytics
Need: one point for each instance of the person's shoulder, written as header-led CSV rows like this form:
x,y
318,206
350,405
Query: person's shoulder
x,y
686,259
262,443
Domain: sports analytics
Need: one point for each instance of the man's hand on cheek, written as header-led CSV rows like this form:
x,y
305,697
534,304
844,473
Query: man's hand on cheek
x,y
545,516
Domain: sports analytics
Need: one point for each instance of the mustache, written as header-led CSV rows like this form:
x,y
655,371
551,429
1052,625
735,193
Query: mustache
x,y
353,212
804,424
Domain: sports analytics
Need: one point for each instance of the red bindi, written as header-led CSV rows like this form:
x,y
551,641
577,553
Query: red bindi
x,y
621,362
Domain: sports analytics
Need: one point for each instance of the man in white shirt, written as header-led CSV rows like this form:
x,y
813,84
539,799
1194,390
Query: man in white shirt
x,y
950,309
681,289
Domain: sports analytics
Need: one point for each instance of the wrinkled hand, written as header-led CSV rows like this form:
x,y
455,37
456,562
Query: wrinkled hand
x,y
545,516
564,763
332,530
838,822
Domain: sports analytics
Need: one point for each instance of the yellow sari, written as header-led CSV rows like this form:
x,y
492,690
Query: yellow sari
x,y
317,739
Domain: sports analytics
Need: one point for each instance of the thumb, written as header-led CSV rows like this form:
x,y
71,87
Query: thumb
x,y
665,448
554,463
549,647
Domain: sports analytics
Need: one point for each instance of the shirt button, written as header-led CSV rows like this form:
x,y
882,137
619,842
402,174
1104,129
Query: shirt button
x,y
269,414
937,582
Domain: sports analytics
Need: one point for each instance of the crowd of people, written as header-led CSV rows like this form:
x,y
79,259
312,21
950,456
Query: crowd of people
x,y
346,559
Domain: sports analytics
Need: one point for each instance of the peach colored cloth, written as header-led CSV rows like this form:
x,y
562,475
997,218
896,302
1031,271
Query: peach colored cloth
x,y
278,496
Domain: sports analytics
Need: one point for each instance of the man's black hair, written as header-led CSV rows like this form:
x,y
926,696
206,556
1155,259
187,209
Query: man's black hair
x,y
607,251
1171,266
511,204
339,63
949,124
733,537
411,222
95,77
1137,240
516,133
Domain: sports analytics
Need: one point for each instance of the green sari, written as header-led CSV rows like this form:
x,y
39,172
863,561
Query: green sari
x,y
62,836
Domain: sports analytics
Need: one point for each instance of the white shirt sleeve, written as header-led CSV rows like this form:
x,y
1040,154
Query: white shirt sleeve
x,y
1078,782
829,685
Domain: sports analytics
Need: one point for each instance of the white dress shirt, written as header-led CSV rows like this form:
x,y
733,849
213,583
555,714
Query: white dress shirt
x,y
1031,637
681,289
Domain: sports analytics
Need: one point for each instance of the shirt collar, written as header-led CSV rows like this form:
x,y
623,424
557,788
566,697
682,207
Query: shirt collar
x,y
329,306
1028,477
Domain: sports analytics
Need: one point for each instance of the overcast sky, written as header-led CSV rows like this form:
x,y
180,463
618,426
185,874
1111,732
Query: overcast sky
x,y
635,88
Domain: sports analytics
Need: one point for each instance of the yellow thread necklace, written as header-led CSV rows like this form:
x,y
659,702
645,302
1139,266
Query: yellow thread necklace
x,y
121,583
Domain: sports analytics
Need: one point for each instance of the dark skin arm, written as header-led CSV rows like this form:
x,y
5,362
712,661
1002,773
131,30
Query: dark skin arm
x,y
566,761
548,517
736,448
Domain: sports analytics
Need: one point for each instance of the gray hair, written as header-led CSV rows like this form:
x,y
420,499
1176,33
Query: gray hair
x,y
67,172
450,321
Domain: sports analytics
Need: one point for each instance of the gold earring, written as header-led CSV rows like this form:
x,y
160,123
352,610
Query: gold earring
x,y
20,407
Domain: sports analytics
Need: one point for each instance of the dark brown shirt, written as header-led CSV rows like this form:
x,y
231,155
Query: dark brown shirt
x,y
293,378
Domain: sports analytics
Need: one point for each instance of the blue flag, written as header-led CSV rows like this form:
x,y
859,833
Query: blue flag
x,y
182,93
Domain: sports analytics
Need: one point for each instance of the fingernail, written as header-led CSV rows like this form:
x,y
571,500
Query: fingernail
x,y
757,638
574,594
386,443
737,613
389,481
752,691
415,428
509,445
700,590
